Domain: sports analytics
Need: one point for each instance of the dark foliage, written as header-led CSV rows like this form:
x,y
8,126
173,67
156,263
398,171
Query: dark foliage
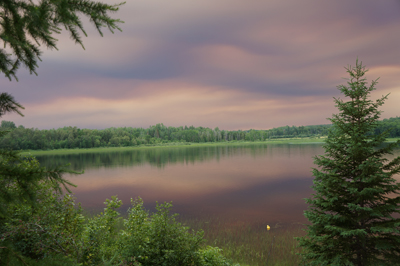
x,y
352,212
22,138
25,25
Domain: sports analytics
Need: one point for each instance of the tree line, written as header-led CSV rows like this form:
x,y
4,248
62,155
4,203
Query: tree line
x,y
21,138
39,223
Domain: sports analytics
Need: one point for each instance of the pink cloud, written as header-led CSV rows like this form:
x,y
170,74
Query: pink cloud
x,y
229,63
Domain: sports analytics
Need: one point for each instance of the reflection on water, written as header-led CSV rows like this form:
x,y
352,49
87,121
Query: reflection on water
x,y
253,183
154,156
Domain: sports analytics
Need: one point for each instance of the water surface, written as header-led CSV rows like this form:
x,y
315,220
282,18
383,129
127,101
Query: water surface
x,y
264,183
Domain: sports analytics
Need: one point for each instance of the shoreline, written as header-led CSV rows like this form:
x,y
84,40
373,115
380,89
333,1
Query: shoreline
x,y
174,145
319,140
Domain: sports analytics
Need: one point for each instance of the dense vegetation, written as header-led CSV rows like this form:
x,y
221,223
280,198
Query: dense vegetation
x,y
54,232
38,224
22,138
355,205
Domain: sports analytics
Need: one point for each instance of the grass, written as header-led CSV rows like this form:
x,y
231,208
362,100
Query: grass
x,y
241,242
252,244
314,140
174,145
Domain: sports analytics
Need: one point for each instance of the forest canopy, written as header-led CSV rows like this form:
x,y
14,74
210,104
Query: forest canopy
x,y
21,138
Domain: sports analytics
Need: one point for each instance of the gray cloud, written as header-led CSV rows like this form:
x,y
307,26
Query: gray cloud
x,y
265,49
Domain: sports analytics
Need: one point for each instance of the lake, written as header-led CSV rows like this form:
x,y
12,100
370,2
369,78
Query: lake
x,y
254,183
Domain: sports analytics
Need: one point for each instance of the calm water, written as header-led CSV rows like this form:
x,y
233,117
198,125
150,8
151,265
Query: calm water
x,y
253,183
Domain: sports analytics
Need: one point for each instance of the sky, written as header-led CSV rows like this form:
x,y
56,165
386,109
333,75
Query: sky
x,y
232,64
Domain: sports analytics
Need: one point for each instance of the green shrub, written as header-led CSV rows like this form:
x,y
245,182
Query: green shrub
x,y
158,239
51,227
55,232
100,236
211,256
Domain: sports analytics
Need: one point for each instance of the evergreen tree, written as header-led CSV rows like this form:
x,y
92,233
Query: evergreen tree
x,y
356,196
20,179
8,104
19,176
26,24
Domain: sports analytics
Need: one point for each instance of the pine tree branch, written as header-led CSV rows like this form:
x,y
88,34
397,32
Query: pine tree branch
x,y
21,20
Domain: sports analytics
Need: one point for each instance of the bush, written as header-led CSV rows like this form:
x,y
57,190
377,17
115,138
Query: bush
x,y
211,256
52,227
54,232
158,239
100,236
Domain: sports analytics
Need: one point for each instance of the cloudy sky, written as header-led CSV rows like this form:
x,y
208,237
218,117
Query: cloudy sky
x,y
235,64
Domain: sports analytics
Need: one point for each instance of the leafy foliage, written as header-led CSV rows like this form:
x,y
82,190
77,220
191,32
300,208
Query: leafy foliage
x,y
20,178
51,227
211,256
390,125
158,239
73,137
45,233
21,138
21,199
100,236
352,211
54,232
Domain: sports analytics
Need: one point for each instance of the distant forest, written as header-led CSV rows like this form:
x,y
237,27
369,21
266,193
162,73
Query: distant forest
x,y
21,138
